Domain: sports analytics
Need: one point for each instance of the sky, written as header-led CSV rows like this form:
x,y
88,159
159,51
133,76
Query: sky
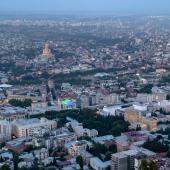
x,y
112,6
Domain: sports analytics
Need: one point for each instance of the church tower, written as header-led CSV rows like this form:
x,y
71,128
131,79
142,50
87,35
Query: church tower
x,y
46,51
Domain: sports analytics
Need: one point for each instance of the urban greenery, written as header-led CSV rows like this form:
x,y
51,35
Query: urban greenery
x,y
156,145
103,152
114,125
148,165
79,161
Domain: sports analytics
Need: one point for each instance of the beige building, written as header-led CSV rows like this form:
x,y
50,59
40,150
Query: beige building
x,y
133,116
151,123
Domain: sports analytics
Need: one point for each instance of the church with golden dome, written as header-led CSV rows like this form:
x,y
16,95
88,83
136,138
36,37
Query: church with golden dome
x,y
46,51
46,55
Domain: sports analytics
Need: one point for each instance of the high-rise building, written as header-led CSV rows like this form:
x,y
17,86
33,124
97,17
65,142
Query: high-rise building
x,y
124,160
119,161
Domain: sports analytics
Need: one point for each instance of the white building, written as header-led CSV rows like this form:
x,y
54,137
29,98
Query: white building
x,y
5,130
97,164
110,110
27,127
11,113
140,107
165,105
90,132
103,139
80,131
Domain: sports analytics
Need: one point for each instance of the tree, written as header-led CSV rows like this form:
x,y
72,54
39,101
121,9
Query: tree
x,y
146,89
148,165
162,111
35,164
15,161
138,128
98,149
156,146
108,156
165,79
152,165
79,160
159,137
144,165
24,168
55,162
5,167
29,148
51,168
2,145
168,153
1,159
27,102
113,148
168,97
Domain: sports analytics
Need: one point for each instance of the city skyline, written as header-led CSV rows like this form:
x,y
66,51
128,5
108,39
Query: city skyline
x,y
156,7
84,85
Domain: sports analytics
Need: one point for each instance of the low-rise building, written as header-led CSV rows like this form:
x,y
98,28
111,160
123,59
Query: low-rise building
x,y
10,113
76,147
97,164
16,146
103,139
64,138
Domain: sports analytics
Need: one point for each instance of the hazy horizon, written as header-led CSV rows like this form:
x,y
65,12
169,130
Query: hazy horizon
x,y
156,7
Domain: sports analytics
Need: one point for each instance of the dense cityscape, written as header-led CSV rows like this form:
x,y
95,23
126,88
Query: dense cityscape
x,y
88,93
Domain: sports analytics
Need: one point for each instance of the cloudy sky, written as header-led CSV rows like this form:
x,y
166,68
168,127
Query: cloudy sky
x,y
114,6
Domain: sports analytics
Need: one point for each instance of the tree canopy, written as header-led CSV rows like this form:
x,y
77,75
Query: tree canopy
x,y
18,103
114,125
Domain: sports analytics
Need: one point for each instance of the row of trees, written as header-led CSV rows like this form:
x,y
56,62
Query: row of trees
x,y
18,103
